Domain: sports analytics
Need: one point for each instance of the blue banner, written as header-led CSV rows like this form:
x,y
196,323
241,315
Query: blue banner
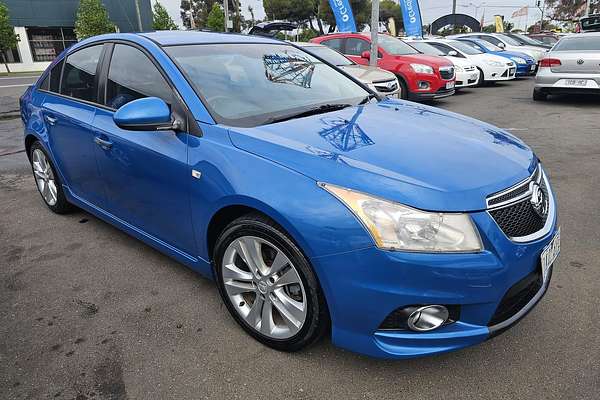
x,y
344,19
411,15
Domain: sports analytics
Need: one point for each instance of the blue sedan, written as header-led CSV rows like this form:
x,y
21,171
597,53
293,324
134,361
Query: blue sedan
x,y
526,65
399,229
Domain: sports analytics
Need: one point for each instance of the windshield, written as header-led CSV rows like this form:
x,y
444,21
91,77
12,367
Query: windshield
x,y
329,55
426,48
489,46
464,47
509,40
395,46
578,43
252,84
528,40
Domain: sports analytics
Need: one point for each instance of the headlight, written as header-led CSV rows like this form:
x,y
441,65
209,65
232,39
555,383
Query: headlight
x,y
458,68
394,226
493,63
519,60
421,68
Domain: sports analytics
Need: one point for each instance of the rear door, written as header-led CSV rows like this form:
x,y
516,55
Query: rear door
x,y
69,109
145,173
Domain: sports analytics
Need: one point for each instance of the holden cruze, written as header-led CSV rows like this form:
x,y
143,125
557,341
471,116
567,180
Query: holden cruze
x,y
318,208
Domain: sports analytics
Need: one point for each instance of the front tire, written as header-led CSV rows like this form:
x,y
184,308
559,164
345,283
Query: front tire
x,y
47,180
268,285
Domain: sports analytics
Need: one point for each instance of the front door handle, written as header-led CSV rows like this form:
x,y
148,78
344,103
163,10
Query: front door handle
x,y
105,144
51,120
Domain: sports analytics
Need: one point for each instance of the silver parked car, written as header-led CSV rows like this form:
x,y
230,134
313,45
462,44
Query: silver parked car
x,y
379,80
571,67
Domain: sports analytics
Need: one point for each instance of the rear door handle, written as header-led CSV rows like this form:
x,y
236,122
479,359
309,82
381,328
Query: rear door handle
x,y
105,144
51,120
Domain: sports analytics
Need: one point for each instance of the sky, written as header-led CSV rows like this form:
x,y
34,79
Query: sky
x,y
430,9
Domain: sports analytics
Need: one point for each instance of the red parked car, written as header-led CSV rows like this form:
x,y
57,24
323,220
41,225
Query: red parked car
x,y
422,77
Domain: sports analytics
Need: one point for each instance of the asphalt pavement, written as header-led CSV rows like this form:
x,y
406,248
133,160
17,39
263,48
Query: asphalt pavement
x,y
87,312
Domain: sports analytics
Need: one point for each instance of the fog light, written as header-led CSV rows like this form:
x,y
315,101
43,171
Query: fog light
x,y
424,85
427,318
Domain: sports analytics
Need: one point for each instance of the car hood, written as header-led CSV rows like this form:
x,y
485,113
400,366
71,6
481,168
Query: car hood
x,y
366,74
417,155
457,61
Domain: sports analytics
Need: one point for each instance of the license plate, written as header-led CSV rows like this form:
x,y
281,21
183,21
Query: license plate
x,y
549,254
450,85
532,68
576,82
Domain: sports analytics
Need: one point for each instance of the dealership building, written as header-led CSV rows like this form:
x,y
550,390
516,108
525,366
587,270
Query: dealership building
x,y
46,27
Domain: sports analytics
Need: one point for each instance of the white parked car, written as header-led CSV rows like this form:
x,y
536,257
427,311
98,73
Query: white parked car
x,y
491,68
379,80
505,42
467,73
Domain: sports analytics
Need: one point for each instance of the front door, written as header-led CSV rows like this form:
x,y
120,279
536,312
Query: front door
x,y
145,173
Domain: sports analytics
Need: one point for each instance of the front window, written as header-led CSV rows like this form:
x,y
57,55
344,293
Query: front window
x,y
394,46
426,49
255,84
464,47
510,41
329,55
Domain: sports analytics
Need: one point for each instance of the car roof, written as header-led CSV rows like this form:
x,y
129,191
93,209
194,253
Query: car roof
x,y
174,38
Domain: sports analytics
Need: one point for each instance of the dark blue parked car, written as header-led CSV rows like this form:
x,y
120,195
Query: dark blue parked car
x,y
400,229
526,65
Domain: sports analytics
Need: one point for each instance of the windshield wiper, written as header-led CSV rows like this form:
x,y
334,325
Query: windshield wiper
x,y
367,98
323,108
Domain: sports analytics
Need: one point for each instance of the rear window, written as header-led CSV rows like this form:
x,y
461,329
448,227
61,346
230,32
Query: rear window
x,y
579,43
79,76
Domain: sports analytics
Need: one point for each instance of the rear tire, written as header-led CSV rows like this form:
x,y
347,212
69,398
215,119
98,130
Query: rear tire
x,y
538,95
268,285
47,180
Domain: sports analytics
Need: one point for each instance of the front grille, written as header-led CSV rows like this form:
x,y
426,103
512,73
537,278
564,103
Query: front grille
x,y
447,72
514,210
517,297
386,86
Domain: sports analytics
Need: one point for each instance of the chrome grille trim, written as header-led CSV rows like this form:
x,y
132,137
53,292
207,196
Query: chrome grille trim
x,y
537,176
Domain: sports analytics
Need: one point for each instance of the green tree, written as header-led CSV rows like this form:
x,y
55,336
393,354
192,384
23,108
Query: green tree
x,y
194,13
92,19
8,39
216,18
161,20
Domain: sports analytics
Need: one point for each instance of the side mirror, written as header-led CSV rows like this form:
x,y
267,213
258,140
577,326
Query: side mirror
x,y
453,53
501,45
366,55
147,114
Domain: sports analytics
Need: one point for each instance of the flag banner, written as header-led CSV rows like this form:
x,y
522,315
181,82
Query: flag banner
x,y
411,15
521,12
499,23
344,19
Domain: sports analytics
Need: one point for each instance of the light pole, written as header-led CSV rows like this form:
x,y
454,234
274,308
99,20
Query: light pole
x,y
226,12
374,32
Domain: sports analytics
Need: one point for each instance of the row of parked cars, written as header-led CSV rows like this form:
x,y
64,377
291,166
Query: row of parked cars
x,y
431,68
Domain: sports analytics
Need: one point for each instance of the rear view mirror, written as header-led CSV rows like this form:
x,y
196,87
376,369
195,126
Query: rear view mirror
x,y
501,45
366,55
147,114
453,53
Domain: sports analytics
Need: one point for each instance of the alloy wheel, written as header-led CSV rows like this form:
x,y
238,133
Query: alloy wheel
x,y
264,287
44,177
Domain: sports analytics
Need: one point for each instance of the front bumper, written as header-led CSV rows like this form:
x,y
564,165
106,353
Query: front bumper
x,y
363,287
466,79
425,96
526,69
503,73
